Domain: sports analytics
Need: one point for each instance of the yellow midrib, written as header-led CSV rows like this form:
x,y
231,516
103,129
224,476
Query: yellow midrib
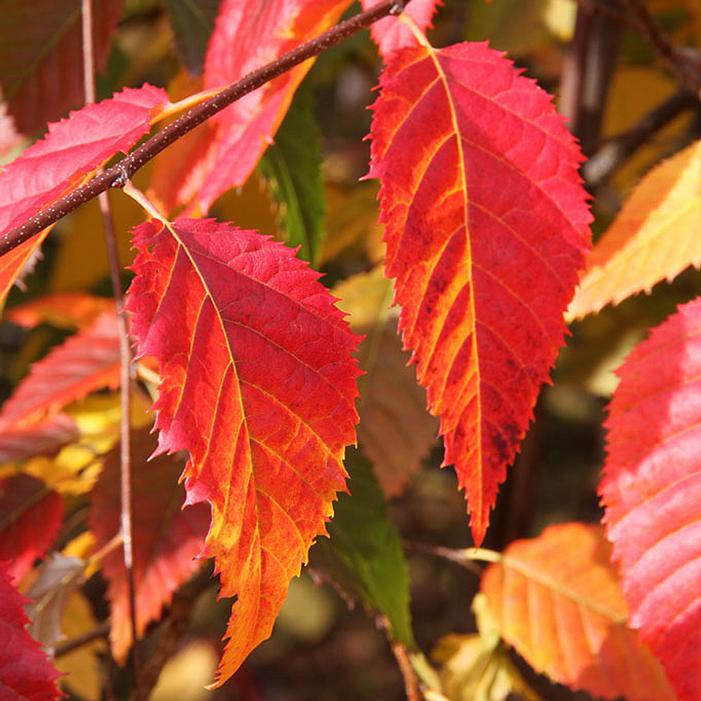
x,y
476,508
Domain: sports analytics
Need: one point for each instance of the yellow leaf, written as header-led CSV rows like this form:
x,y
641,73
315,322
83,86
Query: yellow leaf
x,y
655,236
81,667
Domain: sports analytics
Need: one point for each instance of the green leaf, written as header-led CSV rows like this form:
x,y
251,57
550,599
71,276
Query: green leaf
x,y
193,23
292,169
364,554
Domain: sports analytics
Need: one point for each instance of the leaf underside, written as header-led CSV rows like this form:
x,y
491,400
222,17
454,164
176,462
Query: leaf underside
x,y
259,386
651,491
486,226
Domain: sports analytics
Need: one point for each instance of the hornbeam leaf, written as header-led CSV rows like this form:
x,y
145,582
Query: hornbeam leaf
x,y
41,55
30,516
651,491
391,33
259,386
654,237
557,600
84,363
71,149
486,226
25,672
168,536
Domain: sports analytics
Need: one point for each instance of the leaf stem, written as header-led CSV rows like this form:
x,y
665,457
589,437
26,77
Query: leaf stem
x,y
125,357
117,175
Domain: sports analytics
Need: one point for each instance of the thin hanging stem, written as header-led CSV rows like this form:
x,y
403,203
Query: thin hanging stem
x,y
122,172
125,357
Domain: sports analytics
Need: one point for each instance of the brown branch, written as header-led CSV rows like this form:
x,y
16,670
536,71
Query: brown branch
x,y
587,72
125,358
122,172
616,150
100,631
683,62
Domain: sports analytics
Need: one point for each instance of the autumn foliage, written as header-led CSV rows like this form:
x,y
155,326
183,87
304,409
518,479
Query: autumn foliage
x,y
274,412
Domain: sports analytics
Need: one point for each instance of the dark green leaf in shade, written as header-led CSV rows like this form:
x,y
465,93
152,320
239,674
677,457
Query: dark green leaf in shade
x,y
364,554
192,22
292,168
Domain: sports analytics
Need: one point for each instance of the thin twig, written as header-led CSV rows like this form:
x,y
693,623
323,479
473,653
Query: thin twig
x,y
616,150
401,654
119,174
100,631
125,358
454,555
688,69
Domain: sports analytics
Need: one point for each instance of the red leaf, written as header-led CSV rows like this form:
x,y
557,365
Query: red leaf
x,y
84,363
167,538
557,600
486,227
391,33
247,35
25,672
45,438
41,56
652,493
73,147
30,518
258,385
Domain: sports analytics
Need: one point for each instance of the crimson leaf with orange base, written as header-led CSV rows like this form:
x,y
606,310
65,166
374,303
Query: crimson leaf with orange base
x,y
486,225
259,386
651,490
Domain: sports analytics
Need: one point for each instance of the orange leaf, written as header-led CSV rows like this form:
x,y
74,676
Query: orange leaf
x,y
258,385
486,226
652,493
62,309
85,362
558,602
30,516
167,538
654,237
